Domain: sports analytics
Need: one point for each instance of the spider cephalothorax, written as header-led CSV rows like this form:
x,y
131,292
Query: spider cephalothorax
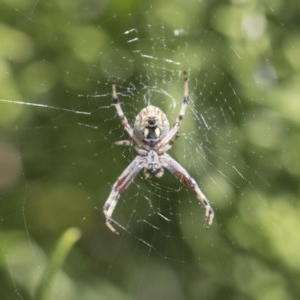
x,y
152,138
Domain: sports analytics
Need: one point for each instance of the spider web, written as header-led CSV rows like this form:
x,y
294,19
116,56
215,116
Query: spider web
x,y
58,127
157,212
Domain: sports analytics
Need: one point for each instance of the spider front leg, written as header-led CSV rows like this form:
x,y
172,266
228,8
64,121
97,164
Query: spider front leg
x,y
121,114
119,187
179,172
173,133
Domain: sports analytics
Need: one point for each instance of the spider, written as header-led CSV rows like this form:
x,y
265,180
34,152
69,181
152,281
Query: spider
x,y
152,138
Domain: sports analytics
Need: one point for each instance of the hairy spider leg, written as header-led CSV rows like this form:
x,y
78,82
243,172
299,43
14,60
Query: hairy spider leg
x,y
171,136
119,187
124,121
179,172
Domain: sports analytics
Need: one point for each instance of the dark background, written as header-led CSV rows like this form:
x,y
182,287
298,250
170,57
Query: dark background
x,y
240,140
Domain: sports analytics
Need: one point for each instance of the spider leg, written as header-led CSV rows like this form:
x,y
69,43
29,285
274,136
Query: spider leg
x,y
119,187
171,136
179,172
175,138
124,143
124,121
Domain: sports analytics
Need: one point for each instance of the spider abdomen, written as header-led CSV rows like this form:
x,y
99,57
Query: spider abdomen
x,y
151,124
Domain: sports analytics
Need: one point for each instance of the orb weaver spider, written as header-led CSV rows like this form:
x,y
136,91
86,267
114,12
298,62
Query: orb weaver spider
x,y
152,138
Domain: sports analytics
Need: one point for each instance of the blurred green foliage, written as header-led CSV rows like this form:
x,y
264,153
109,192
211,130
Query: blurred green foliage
x,y
242,55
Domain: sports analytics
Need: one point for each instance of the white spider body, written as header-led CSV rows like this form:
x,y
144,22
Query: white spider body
x,y
151,126
152,138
